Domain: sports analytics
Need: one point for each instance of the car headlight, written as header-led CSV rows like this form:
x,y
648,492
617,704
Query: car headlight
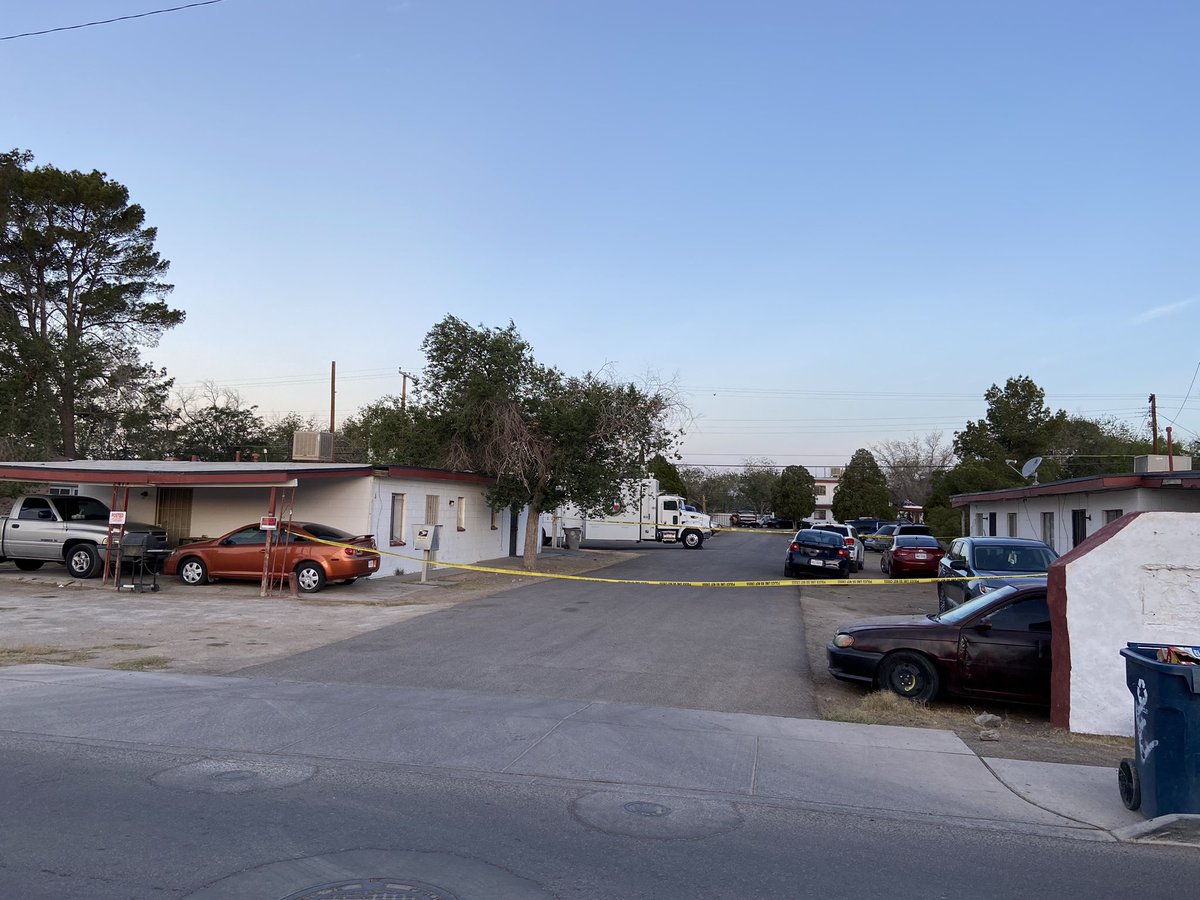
x,y
985,588
843,640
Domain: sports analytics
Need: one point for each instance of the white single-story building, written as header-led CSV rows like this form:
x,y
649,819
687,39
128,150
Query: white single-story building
x,y
195,500
1064,513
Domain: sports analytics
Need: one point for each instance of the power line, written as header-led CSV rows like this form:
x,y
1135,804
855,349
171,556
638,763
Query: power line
x,y
153,12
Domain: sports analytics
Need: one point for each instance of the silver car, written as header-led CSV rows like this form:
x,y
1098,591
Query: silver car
x,y
853,544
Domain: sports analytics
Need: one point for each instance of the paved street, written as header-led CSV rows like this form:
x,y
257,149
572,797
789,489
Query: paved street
x,y
729,649
538,743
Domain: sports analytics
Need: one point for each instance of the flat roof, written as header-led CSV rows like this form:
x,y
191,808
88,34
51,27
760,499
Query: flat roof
x,y
1088,484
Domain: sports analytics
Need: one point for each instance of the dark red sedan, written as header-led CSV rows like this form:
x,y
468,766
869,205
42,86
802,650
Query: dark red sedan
x,y
911,554
996,646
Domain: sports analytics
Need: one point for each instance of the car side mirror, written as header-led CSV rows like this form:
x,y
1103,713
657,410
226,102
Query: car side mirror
x,y
984,626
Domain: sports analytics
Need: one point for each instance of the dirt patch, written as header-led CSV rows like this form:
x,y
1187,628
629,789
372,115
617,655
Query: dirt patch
x,y
1024,732
226,626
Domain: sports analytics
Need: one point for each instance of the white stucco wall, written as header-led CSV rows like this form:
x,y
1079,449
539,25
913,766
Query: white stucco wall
x,y
1142,584
483,536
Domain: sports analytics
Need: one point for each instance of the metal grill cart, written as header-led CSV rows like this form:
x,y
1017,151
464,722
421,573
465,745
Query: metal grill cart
x,y
142,553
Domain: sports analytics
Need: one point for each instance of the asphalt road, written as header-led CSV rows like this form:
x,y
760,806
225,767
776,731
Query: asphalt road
x,y
114,819
112,823
727,649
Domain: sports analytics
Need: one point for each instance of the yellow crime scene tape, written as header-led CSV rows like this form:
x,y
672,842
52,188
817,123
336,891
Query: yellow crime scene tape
x,y
782,582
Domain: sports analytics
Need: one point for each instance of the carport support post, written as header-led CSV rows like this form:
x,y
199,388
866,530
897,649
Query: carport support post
x,y
266,575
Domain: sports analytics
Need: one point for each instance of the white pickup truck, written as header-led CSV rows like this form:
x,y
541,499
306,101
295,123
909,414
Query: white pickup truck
x,y
72,530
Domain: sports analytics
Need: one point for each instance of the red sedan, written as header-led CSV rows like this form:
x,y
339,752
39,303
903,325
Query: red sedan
x,y
316,553
912,554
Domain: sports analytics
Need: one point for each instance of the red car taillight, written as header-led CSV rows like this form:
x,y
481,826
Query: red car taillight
x,y
843,552
351,551
849,542
794,547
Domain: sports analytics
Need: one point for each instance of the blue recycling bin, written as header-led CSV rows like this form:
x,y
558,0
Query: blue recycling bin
x,y
1164,775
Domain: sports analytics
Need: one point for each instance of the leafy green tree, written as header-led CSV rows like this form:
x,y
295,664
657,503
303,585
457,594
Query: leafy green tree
x,y
128,416
80,293
756,484
1018,425
392,431
669,479
549,438
862,490
795,494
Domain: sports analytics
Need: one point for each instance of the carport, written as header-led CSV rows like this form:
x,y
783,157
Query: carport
x,y
195,500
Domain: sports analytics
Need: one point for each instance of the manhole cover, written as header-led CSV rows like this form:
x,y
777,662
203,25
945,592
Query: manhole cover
x,y
641,816
374,889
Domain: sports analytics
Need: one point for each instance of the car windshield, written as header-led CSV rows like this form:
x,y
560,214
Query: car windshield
x,y
1013,558
917,540
960,614
820,536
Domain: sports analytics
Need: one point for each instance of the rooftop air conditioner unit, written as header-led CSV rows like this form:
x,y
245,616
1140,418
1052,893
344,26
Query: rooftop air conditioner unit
x,y
312,446
1161,463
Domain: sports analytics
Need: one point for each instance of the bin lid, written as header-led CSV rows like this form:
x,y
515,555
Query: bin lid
x,y
1146,656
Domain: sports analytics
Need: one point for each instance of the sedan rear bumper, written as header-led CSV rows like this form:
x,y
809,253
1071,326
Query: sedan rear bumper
x,y
847,664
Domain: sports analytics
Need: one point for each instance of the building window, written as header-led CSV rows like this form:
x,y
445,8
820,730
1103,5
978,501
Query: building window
x,y
1111,515
819,490
1048,529
461,503
1012,524
397,528
819,515
432,501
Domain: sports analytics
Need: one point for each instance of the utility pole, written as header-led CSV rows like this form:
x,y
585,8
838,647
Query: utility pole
x,y
1154,422
404,387
332,392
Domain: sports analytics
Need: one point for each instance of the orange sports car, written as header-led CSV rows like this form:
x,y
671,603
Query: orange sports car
x,y
298,547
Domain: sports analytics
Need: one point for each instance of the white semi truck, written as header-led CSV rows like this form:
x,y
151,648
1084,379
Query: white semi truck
x,y
647,515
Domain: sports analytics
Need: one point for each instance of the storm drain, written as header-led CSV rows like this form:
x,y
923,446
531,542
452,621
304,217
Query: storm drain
x,y
374,889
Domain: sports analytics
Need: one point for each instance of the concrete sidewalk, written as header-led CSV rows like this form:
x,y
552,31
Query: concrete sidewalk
x,y
871,769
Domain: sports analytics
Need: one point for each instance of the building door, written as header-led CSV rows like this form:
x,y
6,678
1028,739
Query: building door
x,y
174,513
1078,526
514,523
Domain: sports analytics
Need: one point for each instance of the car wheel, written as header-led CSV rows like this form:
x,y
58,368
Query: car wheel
x,y
910,675
853,566
788,572
310,577
943,602
1129,785
28,565
83,560
846,572
692,540
192,571
883,566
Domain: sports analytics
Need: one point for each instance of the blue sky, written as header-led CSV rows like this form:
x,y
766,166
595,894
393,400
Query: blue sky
x,y
830,224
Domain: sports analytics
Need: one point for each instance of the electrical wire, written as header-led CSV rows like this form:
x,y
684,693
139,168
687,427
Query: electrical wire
x,y
153,12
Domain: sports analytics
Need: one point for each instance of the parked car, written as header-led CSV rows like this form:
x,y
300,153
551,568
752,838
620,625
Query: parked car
x,y
300,549
778,523
995,646
858,552
985,560
910,528
881,539
817,551
865,525
912,554
744,518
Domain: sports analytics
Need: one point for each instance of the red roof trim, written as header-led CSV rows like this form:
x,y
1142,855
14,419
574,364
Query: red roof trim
x,y
44,474
439,475
1075,486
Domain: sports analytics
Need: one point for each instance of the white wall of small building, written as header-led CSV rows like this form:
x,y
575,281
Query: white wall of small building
x,y
1142,584
470,531
1101,506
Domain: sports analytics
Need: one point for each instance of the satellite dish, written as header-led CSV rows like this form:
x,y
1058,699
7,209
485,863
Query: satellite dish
x,y
1030,468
